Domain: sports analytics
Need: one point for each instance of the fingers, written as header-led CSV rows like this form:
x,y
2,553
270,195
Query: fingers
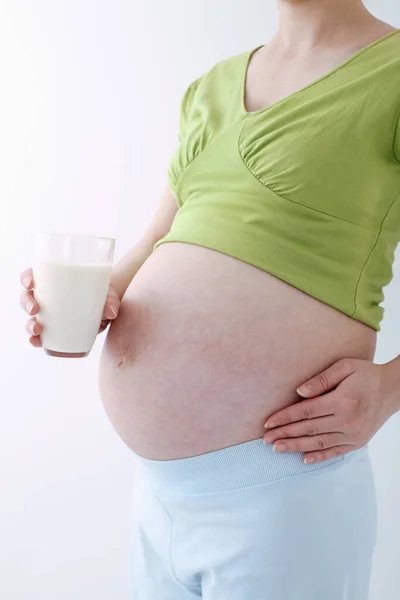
x,y
112,305
110,312
309,443
328,379
310,427
35,341
305,409
27,279
28,303
315,457
33,327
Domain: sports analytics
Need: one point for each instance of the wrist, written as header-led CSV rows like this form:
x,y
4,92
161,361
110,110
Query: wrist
x,y
391,383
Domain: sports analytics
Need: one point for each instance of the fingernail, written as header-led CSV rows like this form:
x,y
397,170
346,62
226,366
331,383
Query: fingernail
x,y
26,281
279,447
303,389
114,311
266,425
32,328
308,460
30,306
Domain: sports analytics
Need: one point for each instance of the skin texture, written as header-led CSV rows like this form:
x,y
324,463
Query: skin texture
x,y
195,362
204,370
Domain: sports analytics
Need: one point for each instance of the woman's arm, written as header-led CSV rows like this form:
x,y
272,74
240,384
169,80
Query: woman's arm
x,y
125,270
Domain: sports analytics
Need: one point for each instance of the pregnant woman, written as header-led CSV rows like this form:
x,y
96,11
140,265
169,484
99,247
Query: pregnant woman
x,y
240,367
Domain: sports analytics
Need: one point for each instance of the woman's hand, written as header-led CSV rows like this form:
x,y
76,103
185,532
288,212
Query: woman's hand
x,y
331,423
30,305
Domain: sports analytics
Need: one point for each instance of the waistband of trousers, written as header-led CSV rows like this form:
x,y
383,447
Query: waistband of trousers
x,y
242,465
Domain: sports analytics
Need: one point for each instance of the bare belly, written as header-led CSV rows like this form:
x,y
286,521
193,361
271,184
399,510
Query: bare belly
x,y
206,347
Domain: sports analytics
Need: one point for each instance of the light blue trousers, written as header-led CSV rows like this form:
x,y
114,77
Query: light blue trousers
x,y
248,523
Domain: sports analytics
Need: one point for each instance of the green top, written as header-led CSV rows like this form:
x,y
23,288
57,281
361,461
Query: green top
x,y
307,188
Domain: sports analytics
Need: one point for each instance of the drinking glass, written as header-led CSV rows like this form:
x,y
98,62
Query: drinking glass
x,y
71,280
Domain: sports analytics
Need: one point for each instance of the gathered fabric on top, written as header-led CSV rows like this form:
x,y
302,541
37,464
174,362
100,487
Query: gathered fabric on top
x,y
307,189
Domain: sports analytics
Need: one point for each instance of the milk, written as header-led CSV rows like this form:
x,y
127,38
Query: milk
x,y
71,298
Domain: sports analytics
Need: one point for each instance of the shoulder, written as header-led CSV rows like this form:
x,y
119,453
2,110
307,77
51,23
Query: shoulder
x,y
227,68
388,53
221,71
375,72
230,62
386,65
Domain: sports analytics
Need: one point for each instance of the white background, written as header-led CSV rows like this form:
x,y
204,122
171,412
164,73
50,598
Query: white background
x,y
88,120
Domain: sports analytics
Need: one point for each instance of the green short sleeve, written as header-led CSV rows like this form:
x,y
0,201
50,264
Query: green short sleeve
x,y
187,116
185,108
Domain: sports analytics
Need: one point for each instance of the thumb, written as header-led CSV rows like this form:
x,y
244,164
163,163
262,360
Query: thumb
x,y
112,305
326,380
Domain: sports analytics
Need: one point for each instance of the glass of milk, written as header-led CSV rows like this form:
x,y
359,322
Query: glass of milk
x,y
71,280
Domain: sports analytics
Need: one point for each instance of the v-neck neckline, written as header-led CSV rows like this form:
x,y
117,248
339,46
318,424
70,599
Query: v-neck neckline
x,y
343,64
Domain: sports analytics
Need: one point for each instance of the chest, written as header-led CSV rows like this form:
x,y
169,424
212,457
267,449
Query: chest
x,y
323,143
270,78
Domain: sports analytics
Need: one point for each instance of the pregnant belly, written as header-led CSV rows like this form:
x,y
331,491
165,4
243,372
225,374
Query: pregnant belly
x,y
206,347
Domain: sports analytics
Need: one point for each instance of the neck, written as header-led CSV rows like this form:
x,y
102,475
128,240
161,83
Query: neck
x,y
305,24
